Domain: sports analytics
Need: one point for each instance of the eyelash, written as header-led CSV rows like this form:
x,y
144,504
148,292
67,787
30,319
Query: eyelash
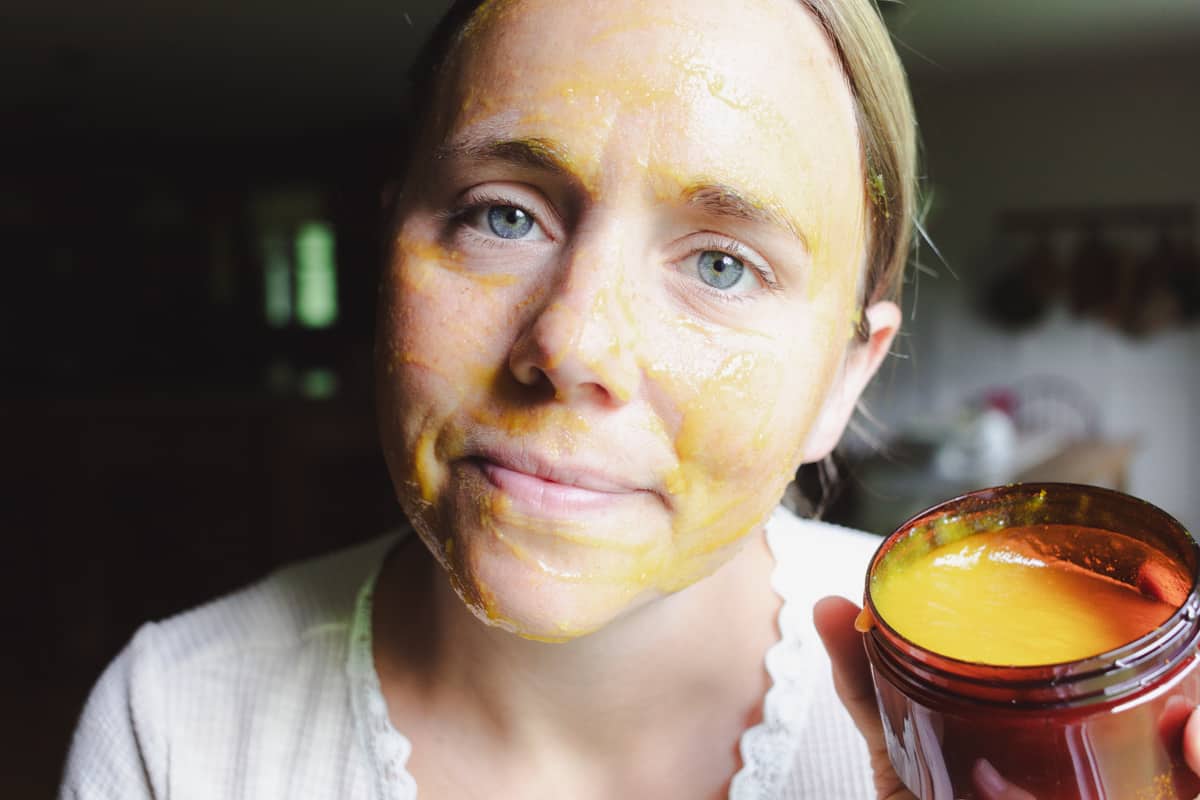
x,y
723,244
456,220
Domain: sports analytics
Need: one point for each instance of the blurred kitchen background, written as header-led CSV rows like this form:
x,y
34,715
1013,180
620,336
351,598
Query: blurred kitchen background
x,y
189,202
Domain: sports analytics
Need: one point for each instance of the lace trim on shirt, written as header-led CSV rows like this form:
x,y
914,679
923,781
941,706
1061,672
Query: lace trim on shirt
x,y
767,748
387,748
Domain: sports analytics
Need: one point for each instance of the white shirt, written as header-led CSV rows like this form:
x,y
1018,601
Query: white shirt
x,y
271,692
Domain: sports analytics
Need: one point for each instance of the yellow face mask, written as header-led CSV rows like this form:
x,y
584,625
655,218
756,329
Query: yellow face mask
x,y
619,308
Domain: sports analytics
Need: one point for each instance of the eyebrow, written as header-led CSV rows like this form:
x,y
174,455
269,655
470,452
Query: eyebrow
x,y
541,154
712,199
720,200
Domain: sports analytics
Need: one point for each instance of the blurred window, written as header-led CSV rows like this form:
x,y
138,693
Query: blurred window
x,y
300,276
316,276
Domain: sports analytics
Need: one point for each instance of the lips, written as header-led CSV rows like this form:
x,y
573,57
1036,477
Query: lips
x,y
553,489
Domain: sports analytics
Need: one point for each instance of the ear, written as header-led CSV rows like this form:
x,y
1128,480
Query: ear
x,y
862,360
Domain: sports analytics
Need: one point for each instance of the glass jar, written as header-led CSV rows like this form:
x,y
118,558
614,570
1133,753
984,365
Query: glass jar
x,y
1106,727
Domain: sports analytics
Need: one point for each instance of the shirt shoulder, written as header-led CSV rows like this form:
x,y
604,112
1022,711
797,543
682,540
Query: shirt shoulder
x,y
193,704
815,558
291,605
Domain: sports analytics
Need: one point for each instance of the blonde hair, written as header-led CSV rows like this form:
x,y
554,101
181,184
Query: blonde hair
x,y
883,107
887,130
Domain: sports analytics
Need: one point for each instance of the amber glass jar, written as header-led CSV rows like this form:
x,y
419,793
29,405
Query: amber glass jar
x,y
1106,727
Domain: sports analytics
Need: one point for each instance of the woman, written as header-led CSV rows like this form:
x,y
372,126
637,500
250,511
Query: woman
x,y
628,271
641,267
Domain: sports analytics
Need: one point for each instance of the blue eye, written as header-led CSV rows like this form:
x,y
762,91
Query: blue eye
x,y
719,270
509,222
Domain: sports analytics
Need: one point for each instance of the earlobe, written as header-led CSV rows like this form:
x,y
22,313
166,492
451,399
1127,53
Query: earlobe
x,y
883,322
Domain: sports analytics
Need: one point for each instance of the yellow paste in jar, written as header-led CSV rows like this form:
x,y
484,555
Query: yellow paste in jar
x,y
1008,597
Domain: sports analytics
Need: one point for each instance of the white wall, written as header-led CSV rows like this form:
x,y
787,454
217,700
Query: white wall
x,y
1124,131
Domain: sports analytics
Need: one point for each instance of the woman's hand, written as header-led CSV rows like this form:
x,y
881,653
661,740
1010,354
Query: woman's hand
x,y
1191,741
1180,720
834,618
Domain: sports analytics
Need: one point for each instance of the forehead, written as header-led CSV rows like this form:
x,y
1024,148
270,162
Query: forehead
x,y
746,93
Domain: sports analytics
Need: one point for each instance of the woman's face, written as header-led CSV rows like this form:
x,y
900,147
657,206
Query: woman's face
x,y
623,285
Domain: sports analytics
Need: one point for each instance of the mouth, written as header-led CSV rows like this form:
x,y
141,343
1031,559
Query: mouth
x,y
553,489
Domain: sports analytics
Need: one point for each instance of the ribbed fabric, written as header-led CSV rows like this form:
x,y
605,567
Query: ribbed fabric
x,y
271,693
828,757
243,698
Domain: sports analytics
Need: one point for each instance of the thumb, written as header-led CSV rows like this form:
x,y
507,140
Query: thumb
x,y
834,620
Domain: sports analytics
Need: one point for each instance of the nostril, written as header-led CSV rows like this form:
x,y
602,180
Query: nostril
x,y
529,362
595,393
576,356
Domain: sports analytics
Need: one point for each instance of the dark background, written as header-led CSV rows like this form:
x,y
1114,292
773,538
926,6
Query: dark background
x,y
163,441
169,435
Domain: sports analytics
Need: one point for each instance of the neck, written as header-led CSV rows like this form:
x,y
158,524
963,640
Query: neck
x,y
640,674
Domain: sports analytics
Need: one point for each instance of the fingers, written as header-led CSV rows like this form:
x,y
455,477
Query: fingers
x,y
1172,720
991,785
1191,742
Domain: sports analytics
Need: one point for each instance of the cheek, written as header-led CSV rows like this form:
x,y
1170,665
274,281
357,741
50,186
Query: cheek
x,y
731,425
442,317
442,338
739,434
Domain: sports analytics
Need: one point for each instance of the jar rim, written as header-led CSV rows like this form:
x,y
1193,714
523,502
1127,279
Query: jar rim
x,y
1106,674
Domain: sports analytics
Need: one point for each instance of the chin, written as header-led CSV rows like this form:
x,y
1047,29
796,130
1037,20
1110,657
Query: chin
x,y
588,589
557,614
519,591
542,573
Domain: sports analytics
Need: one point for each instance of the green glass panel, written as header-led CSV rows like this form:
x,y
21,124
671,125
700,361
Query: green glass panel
x,y
316,276
277,281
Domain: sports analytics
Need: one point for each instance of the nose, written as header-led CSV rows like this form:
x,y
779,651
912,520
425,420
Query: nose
x,y
578,344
